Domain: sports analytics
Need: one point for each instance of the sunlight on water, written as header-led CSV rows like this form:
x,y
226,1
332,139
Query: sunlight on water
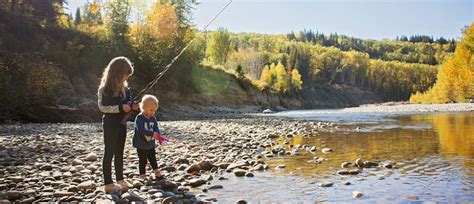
x,y
433,156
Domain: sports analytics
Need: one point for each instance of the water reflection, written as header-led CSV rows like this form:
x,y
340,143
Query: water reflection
x,y
434,156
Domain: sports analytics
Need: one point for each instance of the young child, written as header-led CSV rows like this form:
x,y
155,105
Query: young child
x,y
113,99
146,130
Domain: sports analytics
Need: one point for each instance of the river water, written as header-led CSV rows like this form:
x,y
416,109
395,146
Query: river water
x,y
432,153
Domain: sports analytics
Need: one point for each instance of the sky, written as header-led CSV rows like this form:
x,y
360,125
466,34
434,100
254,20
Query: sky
x,y
368,19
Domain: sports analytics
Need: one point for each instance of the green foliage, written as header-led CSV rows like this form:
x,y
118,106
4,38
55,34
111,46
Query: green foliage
x,y
218,46
77,19
416,49
117,27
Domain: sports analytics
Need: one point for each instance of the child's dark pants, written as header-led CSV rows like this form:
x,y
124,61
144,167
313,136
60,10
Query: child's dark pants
x,y
143,155
114,140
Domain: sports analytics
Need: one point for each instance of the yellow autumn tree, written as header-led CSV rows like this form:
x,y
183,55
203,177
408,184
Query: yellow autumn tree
x,y
455,79
266,76
282,79
162,21
296,79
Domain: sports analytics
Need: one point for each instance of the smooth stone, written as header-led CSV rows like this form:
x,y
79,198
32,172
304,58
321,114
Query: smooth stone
x,y
357,194
132,196
369,164
281,166
91,157
26,200
359,162
193,168
167,185
235,166
205,165
348,172
241,202
137,184
169,168
346,165
169,200
239,172
259,167
16,179
215,187
197,182
76,162
14,195
326,184
249,174
388,166
412,198
62,193
326,150
87,185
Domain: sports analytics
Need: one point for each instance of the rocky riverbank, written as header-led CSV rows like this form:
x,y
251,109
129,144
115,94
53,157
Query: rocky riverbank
x,y
62,162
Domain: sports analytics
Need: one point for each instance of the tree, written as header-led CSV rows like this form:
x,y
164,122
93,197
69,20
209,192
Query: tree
x,y
296,79
77,19
239,71
92,14
282,80
455,80
266,76
218,46
117,27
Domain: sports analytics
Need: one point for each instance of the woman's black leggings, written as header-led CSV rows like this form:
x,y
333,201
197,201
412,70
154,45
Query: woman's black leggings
x,y
143,155
114,140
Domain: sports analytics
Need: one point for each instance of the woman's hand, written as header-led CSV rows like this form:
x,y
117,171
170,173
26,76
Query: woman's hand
x,y
135,105
126,108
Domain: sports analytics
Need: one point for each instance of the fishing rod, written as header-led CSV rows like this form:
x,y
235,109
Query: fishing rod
x,y
167,67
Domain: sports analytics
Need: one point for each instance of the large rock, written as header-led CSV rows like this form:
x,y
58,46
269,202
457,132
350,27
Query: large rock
x,y
87,185
193,168
167,185
76,162
197,182
91,157
235,166
239,172
205,165
14,195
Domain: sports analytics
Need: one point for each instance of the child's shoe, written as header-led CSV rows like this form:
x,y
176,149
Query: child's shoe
x,y
124,184
110,188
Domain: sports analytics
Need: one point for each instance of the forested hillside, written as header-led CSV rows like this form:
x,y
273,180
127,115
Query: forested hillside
x,y
51,59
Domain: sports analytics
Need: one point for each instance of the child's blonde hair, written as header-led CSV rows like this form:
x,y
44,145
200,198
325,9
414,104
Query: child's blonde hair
x,y
113,75
149,99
